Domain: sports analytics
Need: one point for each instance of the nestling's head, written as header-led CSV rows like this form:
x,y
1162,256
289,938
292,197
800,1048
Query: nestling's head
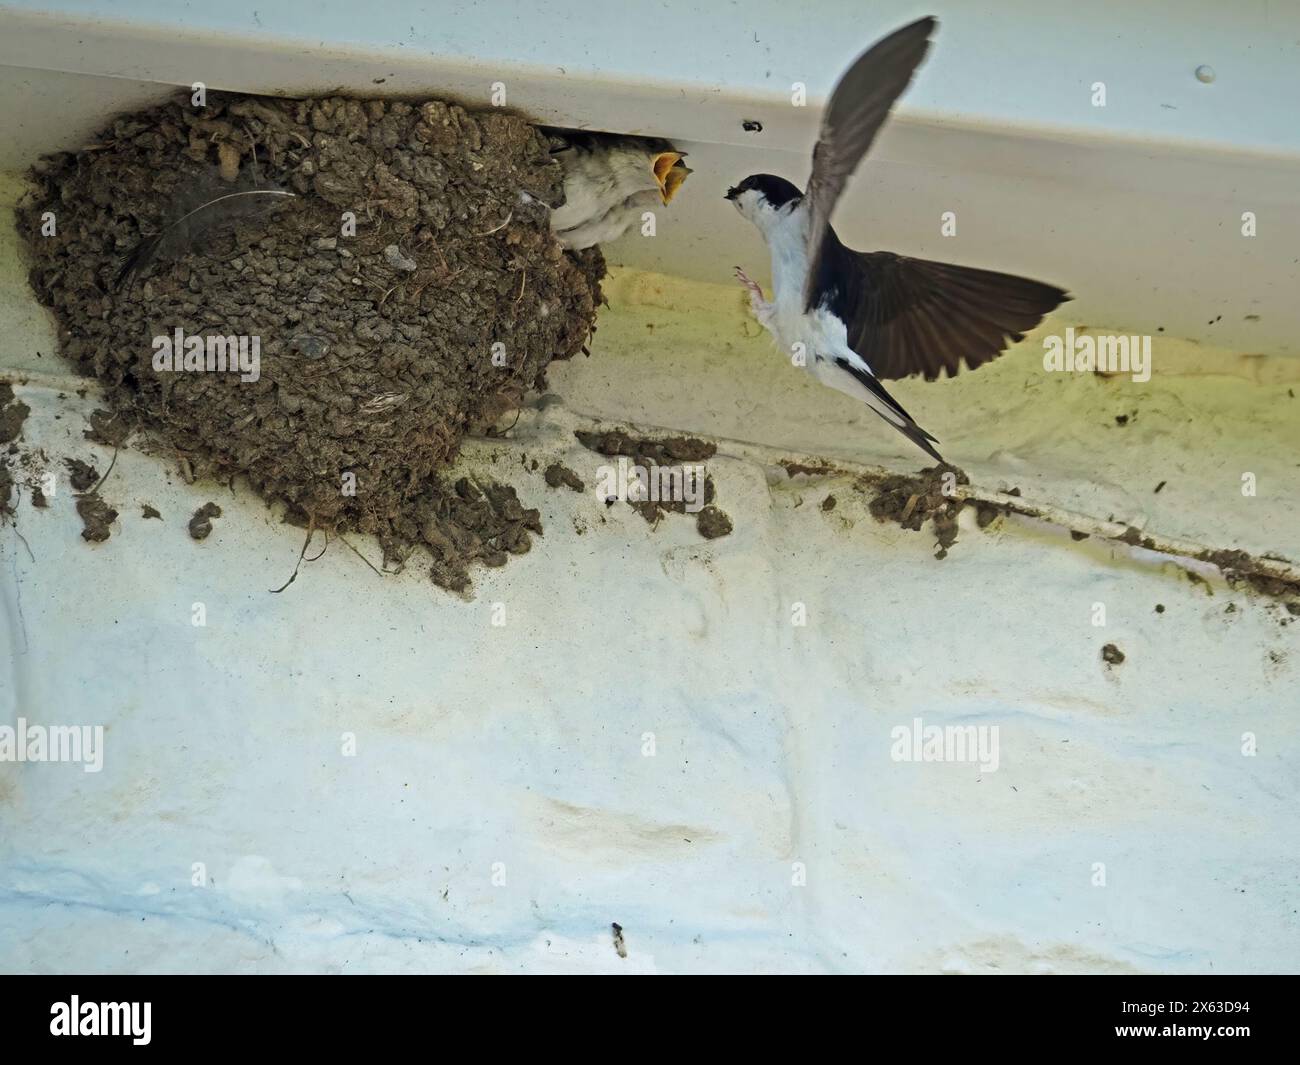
x,y
761,196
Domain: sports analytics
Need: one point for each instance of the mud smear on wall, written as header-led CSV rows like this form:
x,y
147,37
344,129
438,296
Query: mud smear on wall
x,y
378,347
13,412
911,501
676,452
936,495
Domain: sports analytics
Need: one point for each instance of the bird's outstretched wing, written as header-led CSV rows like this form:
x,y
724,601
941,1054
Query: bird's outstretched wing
x,y
908,316
858,107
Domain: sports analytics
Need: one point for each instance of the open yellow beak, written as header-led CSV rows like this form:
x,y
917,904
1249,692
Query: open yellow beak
x,y
669,172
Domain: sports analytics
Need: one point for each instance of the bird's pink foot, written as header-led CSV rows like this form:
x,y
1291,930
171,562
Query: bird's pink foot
x,y
753,286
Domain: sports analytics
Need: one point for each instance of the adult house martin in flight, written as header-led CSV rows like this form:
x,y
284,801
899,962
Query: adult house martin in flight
x,y
860,317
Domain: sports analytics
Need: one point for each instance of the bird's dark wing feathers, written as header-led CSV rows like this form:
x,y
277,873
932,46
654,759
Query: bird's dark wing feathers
x,y
858,107
875,387
908,428
914,316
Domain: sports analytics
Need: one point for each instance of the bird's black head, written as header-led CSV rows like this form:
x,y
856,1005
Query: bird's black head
x,y
775,191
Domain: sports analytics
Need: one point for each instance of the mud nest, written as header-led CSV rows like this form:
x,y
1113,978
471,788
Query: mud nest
x,y
380,345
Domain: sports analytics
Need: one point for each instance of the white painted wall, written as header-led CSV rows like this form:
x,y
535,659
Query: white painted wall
x,y
523,744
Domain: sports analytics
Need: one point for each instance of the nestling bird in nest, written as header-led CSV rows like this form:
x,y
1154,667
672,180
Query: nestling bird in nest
x,y
609,181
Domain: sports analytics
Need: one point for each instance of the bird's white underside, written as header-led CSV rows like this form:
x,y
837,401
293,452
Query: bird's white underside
x,y
821,334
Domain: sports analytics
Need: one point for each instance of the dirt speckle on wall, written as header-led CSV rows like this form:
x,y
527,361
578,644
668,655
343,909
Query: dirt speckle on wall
x,y
408,290
200,525
97,517
81,475
712,523
557,475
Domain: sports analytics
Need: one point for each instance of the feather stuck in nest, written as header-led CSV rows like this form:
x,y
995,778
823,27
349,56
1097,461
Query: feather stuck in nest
x,y
206,205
